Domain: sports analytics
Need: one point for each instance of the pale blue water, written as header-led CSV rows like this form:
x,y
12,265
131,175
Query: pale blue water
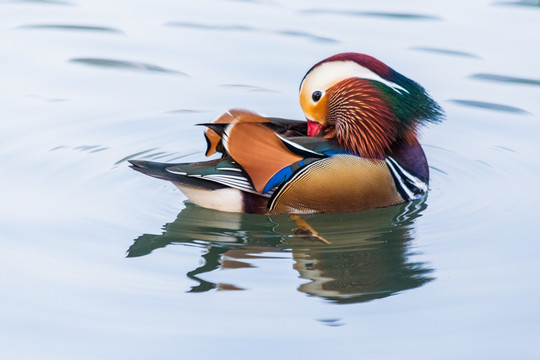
x,y
100,262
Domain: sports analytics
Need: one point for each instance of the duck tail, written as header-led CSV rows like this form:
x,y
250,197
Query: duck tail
x,y
154,169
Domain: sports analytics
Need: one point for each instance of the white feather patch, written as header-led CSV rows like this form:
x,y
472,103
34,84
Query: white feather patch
x,y
228,199
328,74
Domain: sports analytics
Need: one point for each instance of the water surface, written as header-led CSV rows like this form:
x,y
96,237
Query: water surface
x,y
101,262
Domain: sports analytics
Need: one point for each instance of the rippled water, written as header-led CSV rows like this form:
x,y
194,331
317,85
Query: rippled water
x,y
100,262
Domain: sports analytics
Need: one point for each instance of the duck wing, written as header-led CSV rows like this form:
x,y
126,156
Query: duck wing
x,y
283,127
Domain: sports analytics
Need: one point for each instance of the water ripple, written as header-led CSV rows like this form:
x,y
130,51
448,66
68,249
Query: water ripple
x,y
302,34
126,65
156,154
505,79
331,322
83,148
210,27
64,27
445,51
376,14
489,106
49,2
529,3
289,33
445,168
46,99
250,88
479,185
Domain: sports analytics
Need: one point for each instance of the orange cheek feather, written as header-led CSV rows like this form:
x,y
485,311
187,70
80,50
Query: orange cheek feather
x,y
315,114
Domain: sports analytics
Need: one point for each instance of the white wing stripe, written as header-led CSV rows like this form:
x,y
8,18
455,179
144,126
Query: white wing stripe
x,y
177,172
229,169
300,147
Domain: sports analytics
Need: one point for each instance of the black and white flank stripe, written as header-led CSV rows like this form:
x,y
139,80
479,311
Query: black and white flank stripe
x,y
409,186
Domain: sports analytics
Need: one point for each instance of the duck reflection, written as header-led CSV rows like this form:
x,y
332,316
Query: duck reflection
x,y
364,256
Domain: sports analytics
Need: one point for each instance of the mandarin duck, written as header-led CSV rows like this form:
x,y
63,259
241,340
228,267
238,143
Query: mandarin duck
x,y
358,149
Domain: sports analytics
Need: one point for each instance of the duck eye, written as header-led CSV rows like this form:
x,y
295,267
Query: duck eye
x,y
316,96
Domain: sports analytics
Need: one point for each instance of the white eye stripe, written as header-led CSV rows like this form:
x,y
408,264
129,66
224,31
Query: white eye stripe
x,y
328,74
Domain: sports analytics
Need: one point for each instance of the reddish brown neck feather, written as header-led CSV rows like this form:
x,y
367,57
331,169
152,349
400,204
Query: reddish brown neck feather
x,y
360,119
411,136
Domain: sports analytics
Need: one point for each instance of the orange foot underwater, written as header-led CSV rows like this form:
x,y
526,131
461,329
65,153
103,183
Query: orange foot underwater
x,y
358,149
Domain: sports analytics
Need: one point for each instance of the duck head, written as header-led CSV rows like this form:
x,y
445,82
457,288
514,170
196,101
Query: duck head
x,y
364,104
